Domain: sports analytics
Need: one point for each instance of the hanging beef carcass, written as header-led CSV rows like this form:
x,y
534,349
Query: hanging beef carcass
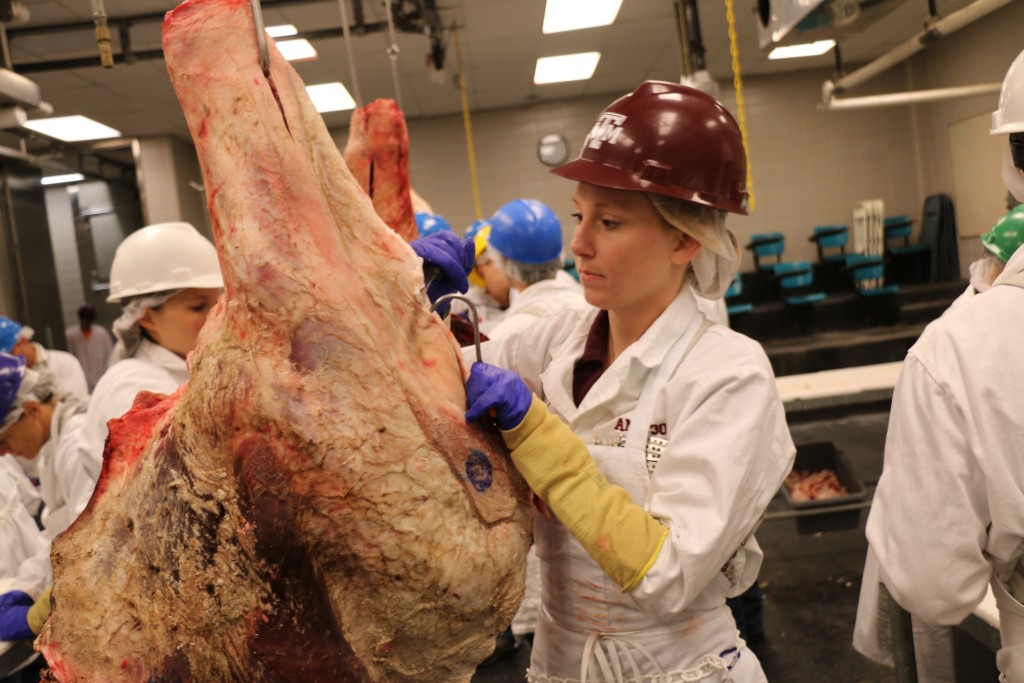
x,y
311,505
377,153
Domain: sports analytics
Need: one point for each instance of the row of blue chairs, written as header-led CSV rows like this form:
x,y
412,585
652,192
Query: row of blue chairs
x,y
796,281
831,242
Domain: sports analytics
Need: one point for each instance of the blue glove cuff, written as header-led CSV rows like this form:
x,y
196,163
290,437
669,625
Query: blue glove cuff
x,y
14,623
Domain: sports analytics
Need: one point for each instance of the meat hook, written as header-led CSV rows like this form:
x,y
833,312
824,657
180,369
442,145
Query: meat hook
x,y
476,318
261,37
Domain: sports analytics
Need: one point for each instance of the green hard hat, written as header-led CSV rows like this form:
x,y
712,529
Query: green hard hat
x,y
1006,235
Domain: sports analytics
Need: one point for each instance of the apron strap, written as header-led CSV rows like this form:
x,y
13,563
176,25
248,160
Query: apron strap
x,y
640,425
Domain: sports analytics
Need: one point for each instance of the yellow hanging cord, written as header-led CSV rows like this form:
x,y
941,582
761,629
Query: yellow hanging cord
x,y
468,125
737,82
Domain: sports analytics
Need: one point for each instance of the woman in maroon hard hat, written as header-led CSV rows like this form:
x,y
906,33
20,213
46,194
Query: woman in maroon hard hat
x,y
654,438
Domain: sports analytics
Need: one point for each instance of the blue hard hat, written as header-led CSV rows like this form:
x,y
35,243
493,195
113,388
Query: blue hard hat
x,y
9,330
478,225
12,371
429,223
526,231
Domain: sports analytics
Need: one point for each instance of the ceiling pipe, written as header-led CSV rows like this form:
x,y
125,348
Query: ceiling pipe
x,y
933,32
902,98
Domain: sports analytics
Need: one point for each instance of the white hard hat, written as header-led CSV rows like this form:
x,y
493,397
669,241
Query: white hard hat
x,y
1009,117
162,257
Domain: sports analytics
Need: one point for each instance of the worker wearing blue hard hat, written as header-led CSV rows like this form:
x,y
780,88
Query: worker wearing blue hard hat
x,y
429,223
524,246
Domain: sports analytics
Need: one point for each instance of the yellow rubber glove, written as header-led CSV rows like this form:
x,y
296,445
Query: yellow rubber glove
x,y
622,537
39,612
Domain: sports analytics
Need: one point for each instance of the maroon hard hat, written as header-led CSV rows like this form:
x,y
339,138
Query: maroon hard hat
x,y
668,139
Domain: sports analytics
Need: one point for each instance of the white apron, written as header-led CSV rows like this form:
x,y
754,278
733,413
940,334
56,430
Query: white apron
x,y
588,630
1010,658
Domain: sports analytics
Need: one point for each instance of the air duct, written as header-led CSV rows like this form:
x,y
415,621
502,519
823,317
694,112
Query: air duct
x,y
787,22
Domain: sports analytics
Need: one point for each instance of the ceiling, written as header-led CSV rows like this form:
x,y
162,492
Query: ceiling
x,y
500,39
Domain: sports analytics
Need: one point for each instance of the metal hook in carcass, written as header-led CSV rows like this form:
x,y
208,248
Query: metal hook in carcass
x,y
261,37
476,318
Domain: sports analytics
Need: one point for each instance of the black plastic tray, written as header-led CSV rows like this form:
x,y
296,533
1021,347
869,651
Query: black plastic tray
x,y
824,456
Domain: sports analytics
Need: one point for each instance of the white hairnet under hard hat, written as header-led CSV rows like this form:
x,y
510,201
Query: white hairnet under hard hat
x,y
36,385
719,257
127,329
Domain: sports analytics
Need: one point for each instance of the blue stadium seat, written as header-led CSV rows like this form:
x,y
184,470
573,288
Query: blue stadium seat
x,y
795,279
764,245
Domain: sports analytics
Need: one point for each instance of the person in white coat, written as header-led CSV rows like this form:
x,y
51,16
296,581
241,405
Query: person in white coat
x,y
66,368
25,571
167,279
90,344
947,518
525,244
653,438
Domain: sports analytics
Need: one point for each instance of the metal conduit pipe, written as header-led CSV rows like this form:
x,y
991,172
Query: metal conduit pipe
x,y
939,29
356,92
901,98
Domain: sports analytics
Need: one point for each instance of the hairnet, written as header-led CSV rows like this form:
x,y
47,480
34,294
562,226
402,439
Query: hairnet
x,y
127,329
719,257
1013,177
527,273
36,385
26,333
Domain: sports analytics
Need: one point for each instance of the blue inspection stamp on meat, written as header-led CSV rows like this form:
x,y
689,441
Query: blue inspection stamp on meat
x,y
479,471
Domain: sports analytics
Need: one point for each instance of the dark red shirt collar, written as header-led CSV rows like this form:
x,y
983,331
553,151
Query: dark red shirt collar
x,y
591,364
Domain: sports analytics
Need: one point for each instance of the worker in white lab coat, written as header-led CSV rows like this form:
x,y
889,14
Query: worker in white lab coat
x,y
525,244
653,438
167,279
25,570
90,344
948,514
68,371
1000,242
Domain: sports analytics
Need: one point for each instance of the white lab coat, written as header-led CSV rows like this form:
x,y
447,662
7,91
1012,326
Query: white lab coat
x,y
93,353
547,297
28,491
488,309
728,450
714,310
949,507
66,368
62,477
153,368
25,560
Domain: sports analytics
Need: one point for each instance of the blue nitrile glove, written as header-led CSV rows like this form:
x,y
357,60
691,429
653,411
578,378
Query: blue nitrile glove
x,y
504,391
453,256
14,607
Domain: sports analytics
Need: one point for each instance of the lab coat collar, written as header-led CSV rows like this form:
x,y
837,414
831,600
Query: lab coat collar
x,y
1013,266
650,349
155,354
647,352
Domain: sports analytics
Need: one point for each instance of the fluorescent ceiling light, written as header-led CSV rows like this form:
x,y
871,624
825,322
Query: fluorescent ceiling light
x,y
58,179
296,50
578,67
814,49
72,128
570,15
281,30
330,97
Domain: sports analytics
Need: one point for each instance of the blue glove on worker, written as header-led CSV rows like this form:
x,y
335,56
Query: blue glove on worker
x,y
14,607
453,257
503,391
